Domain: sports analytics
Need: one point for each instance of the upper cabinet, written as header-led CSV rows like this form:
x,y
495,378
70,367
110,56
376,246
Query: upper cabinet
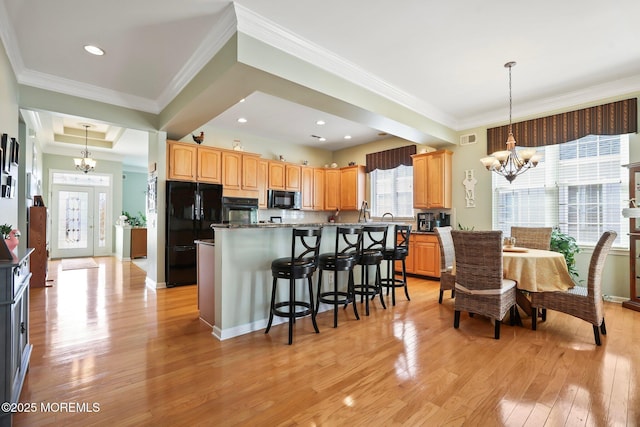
x,y
189,162
351,187
263,181
432,180
285,176
209,165
182,162
231,170
318,189
307,188
331,189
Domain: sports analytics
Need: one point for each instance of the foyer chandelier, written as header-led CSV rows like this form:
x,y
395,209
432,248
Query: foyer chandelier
x,y
511,163
85,163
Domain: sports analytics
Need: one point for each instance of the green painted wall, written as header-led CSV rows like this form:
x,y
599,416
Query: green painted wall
x,y
134,192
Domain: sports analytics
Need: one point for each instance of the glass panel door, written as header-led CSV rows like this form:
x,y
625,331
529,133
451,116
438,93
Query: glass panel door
x,y
73,222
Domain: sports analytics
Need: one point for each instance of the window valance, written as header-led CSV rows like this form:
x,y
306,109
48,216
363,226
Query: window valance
x,y
615,118
390,159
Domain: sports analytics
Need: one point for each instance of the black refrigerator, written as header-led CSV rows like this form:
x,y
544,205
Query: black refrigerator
x,y
191,209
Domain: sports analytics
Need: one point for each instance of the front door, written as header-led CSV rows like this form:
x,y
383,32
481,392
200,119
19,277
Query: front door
x,y
79,221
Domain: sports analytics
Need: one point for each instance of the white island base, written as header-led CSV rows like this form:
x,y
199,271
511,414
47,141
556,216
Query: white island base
x,y
243,280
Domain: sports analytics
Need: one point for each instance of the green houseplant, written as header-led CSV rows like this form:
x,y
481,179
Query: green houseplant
x,y
5,229
567,246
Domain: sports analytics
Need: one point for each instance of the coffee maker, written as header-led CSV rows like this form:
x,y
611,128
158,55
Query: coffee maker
x,y
425,221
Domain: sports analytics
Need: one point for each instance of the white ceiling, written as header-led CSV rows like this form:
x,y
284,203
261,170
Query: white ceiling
x,y
443,60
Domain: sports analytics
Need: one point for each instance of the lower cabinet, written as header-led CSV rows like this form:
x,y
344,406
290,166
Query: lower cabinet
x,y
424,256
206,277
15,349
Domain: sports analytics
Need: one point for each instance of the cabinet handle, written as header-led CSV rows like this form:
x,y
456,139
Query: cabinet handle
x,y
22,328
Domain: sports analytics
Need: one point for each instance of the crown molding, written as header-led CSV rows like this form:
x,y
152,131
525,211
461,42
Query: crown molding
x,y
215,40
279,37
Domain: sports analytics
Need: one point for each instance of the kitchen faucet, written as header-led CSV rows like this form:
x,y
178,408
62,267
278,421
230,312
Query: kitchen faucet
x,y
388,213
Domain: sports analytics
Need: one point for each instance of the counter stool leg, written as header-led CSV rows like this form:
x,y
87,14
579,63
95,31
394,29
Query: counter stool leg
x,y
335,305
273,307
351,292
379,286
319,290
292,307
404,280
313,314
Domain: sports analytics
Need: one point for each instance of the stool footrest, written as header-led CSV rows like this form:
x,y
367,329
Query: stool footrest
x,y
370,290
298,313
397,283
338,298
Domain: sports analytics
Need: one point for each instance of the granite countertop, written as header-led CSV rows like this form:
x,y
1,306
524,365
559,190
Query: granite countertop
x,y
314,224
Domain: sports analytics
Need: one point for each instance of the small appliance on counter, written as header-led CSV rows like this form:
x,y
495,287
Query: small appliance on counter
x,y
427,221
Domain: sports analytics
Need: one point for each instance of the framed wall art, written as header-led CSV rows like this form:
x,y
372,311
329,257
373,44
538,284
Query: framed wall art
x,y
6,150
15,151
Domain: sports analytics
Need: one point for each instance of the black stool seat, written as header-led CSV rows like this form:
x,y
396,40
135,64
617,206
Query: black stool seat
x,y
303,262
374,241
345,259
399,252
296,268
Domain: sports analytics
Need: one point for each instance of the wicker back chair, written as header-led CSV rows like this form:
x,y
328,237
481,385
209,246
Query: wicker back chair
x,y
532,237
447,258
583,303
480,288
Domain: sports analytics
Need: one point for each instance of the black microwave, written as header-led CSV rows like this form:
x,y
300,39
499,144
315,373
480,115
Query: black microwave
x,y
278,199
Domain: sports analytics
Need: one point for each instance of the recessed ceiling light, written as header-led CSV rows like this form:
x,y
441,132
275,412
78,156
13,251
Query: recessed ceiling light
x,y
320,122
322,139
94,50
242,120
347,137
242,100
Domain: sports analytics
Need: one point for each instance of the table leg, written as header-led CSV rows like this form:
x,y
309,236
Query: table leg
x,y
523,302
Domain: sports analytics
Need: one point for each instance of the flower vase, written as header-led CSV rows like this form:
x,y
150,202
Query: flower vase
x,y
12,241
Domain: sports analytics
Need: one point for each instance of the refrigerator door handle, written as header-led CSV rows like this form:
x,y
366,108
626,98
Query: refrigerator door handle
x,y
201,204
196,208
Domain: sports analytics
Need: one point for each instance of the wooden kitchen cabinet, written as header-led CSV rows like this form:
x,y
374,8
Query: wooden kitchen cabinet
x,y
285,176
432,180
209,165
231,170
351,187
276,175
182,162
250,180
188,162
263,182
293,175
307,188
318,189
332,189
424,256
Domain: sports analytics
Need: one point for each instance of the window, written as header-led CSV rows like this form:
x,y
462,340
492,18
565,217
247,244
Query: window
x,y
392,191
580,186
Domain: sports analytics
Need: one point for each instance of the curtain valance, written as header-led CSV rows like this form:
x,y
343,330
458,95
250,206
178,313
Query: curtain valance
x,y
390,159
615,118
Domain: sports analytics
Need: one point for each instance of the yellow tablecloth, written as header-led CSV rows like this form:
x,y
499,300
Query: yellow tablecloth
x,y
537,270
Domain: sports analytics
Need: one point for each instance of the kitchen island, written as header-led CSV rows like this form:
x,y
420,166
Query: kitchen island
x,y
242,272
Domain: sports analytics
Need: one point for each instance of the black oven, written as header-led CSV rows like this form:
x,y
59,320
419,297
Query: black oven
x,y
278,199
239,210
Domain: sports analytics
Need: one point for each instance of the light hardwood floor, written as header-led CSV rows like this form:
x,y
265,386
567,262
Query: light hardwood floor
x,y
143,356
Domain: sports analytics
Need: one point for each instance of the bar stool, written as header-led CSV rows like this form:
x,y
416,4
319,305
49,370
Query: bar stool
x,y
399,252
373,245
305,246
341,259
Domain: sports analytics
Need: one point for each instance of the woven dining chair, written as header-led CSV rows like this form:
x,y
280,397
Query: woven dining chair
x,y
582,302
447,255
480,288
532,237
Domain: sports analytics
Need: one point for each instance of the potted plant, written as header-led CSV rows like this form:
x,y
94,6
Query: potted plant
x,y
10,236
567,246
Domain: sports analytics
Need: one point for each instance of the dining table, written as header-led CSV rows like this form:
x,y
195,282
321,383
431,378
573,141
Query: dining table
x,y
535,270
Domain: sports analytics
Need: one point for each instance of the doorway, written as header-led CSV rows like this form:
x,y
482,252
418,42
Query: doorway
x,y
80,206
